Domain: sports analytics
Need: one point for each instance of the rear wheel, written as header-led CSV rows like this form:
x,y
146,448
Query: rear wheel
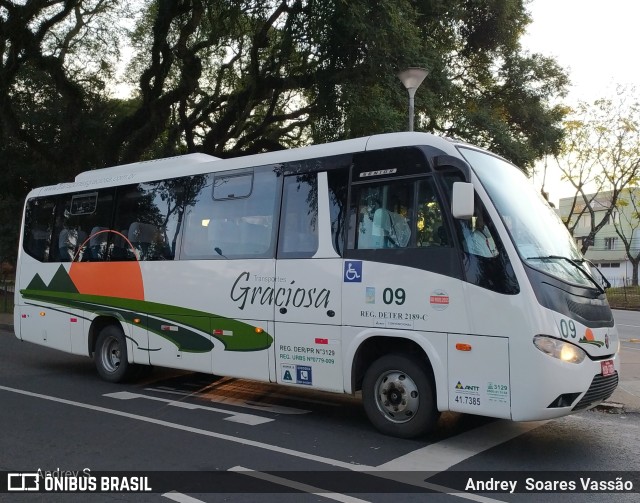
x,y
111,355
399,396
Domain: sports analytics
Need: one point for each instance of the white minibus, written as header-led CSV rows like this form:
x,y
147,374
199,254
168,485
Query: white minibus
x,y
424,272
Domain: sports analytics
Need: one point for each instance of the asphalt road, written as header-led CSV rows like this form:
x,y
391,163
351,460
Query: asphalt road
x,y
258,442
628,392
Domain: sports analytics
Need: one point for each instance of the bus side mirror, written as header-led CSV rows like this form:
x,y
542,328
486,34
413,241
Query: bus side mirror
x,y
462,200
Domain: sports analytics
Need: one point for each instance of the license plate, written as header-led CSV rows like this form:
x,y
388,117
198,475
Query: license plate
x,y
607,367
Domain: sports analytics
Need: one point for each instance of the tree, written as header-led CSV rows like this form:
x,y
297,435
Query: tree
x,y
628,227
56,58
232,78
483,88
600,157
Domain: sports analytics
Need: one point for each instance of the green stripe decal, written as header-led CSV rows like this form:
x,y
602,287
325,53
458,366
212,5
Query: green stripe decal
x,y
194,328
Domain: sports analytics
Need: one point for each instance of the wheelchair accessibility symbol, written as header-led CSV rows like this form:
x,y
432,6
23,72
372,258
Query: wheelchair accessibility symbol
x,y
353,271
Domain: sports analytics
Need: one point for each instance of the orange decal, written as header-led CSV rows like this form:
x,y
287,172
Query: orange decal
x,y
110,279
588,334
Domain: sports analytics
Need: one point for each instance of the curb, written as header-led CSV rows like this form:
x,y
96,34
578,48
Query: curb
x,y
616,408
610,407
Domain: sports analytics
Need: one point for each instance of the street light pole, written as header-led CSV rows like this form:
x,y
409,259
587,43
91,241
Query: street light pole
x,y
412,78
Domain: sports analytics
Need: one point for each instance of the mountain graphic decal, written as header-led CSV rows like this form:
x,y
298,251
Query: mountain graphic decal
x,y
116,289
61,282
37,283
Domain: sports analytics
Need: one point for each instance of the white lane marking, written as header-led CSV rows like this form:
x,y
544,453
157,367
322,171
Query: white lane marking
x,y
198,431
406,479
236,417
443,455
631,326
181,498
256,444
631,387
298,486
266,407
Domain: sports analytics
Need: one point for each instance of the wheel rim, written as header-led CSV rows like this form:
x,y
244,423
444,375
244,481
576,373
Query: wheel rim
x,y
110,354
397,396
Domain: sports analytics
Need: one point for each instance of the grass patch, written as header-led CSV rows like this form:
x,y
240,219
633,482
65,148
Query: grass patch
x,y
624,298
6,296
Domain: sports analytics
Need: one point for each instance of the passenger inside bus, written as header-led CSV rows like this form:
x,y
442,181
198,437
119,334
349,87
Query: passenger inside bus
x,y
70,243
477,237
391,229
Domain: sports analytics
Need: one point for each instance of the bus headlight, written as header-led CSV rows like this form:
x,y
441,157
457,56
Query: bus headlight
x,y
562,350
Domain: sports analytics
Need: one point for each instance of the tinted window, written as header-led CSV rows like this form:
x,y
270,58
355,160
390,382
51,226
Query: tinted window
x,y
147,222
80,222
385,217
234,226
230,186
485,261
396,214
84,204
299,220
38,228
338,180
431,229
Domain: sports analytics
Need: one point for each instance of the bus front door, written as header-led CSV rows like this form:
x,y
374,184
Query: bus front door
x,y
308,284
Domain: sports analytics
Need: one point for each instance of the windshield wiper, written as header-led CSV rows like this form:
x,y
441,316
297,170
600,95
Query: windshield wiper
x,y
576,264
606,281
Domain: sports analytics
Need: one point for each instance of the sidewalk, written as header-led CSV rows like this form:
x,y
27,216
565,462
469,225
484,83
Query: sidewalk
x,y
626,397
628,391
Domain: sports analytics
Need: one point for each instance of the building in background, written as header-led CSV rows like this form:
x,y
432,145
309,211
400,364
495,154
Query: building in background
x,y
608,249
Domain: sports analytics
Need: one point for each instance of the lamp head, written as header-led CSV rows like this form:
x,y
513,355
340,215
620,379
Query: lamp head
x,y
412,77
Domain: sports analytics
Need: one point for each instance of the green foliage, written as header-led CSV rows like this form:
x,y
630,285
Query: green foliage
x,y
599,157
232,78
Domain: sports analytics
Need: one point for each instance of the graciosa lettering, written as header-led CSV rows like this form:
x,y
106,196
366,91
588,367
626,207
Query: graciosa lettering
x,y
244,295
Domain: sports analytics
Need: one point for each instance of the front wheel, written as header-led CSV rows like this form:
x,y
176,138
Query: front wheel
x,y
111,355
399,396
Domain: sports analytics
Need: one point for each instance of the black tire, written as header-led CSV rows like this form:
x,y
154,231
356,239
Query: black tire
x,y
110,355
399,397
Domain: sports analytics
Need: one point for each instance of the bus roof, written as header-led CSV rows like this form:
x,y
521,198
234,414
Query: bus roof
x,y
194,164
152,166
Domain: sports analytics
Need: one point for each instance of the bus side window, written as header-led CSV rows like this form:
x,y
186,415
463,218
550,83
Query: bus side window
x,y
70,244
385,215
230,215
399,219
38,229
98,239
298,225
430,226
338,186
80,222
148,215
146,239
485,260
478,238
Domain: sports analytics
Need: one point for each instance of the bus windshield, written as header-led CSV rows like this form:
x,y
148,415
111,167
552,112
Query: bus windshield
x,y
539,235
